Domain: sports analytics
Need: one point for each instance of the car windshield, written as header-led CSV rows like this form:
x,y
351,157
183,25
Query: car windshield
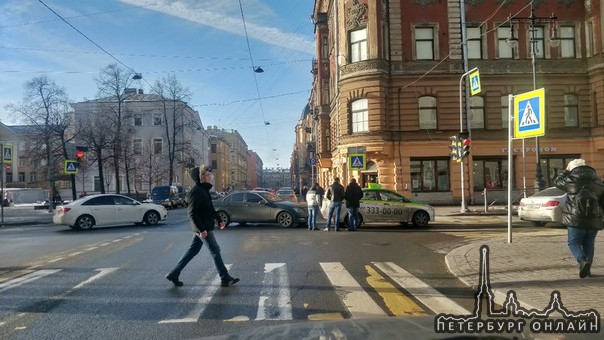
x,y
285,192
162,192
271,197
552,191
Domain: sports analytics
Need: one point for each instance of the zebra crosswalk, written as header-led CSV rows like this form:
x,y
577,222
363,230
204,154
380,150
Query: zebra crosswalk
x,y
382,289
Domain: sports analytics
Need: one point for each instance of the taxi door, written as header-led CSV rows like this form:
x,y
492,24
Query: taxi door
x,y
371,207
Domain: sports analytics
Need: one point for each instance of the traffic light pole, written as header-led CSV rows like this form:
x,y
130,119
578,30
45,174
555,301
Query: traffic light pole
x,y
464,207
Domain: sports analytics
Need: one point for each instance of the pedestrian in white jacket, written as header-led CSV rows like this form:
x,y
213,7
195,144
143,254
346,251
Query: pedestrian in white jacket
x,y
312,199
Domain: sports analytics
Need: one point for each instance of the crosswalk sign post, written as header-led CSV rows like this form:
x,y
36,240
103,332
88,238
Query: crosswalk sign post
x,y
529,114
475,87
71,167
7,154
356,161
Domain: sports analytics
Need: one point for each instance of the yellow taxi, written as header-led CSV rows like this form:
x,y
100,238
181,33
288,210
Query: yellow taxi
x,y
386,206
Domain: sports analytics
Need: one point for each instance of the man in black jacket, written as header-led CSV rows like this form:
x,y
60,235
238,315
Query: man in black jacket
x,y
202,216
335,193
582,227
353,196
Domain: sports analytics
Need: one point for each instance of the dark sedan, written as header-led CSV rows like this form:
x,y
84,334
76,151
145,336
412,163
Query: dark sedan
x,y
260,207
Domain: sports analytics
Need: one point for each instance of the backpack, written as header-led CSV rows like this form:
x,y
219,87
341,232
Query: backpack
x,y
586,203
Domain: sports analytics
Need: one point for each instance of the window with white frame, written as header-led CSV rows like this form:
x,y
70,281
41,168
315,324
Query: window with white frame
x,y
591,43
158,146
427,112
477,110
567,42
358,45
21,176
537,41
359,115
138,119
33,177
430,175
504,50
137,146
505,112
474,38
157,118
571,110
424,43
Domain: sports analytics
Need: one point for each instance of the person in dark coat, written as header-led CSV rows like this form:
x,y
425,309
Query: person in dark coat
x,y
353,196
202,216
335,193
582,230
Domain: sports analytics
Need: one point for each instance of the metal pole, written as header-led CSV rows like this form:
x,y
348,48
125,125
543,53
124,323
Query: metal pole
x,y
539,182
464,207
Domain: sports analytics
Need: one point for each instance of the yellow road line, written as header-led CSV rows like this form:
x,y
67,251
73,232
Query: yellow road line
x,y
397,303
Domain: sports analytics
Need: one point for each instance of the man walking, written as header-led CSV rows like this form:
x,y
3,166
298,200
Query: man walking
x,y
582,211
335,193
353,195
202,216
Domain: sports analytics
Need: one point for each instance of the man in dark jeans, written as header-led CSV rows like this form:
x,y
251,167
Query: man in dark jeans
x,y
335,193
353,196
202,216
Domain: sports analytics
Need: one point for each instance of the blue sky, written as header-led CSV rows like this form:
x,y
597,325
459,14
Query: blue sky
x,y
202,42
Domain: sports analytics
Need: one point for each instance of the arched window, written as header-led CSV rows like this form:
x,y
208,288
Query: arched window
x,y
359,115
427,112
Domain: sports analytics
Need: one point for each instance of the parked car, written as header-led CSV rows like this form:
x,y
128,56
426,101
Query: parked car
x,y
108,209
384,206
543,207
287,194
167,195
260,207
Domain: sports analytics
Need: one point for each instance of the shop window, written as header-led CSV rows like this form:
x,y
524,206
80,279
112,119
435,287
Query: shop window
x,y
490,174
430,175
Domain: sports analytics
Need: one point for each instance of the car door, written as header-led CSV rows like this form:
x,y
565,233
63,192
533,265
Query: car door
x,y
102,208
394,207
127,210
256,208
370,206
235,206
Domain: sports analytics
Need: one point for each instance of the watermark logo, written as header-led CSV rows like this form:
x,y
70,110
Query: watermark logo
x,y
513,318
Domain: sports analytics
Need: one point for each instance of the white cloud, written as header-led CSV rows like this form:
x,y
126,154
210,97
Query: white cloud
x,y
225,15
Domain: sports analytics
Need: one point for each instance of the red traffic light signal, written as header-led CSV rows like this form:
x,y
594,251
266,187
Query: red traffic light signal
x,y
79,155
465,147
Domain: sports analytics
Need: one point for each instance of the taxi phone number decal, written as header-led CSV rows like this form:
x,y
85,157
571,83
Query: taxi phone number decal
x,y
383,211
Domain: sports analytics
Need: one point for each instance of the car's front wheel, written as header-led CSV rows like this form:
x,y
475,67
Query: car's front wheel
x,y
151,217
420,219
84,222
224,217
285,219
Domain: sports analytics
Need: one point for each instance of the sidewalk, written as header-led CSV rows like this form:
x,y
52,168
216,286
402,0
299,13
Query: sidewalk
x,y
533,267
25,216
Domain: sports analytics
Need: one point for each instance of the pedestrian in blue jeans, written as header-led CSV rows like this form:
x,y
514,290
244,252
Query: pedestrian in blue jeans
x,y
581,211
335,193
202,216
313,199
353,196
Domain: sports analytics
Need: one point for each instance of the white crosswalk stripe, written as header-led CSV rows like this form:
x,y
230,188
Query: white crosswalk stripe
x,y
275,301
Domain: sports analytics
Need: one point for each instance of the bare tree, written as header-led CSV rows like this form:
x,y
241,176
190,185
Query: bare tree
x,y
151,165
45,107
173,97
112,82
94,134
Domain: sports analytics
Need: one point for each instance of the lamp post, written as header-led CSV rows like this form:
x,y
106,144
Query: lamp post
x,y
554,41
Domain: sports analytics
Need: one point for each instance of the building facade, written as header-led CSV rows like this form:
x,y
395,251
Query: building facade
x,y
237,158
388,86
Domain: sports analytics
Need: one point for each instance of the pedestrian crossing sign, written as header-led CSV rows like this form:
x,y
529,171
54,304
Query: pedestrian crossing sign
x,y
356,161
529,114
71,167
475,87
7,154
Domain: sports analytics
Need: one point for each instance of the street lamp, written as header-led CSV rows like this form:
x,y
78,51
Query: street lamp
x,y
554,42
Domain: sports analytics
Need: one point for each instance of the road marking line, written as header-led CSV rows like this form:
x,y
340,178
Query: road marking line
x,y
275,302
396,301
356,300
102,272
27,278
427,295
203,302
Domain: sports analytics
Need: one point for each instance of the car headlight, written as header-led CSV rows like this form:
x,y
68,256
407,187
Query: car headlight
x,y
299,211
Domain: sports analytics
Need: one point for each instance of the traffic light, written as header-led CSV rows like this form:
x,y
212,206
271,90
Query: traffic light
x,y
454,150
465,147
80,153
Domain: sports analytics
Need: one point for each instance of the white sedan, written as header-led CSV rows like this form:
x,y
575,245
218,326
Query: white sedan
x,y
108,209
543,207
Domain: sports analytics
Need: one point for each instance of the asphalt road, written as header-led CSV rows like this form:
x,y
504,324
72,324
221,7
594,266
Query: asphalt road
x,y
108,283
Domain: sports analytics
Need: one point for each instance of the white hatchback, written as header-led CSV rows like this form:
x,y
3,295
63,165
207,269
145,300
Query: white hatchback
x,y
108,209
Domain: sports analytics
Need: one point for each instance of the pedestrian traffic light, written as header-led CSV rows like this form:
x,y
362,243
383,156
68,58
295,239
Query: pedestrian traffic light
x,y
454,150
465,151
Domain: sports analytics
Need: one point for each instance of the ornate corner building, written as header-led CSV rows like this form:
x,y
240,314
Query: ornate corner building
x,y
388,86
